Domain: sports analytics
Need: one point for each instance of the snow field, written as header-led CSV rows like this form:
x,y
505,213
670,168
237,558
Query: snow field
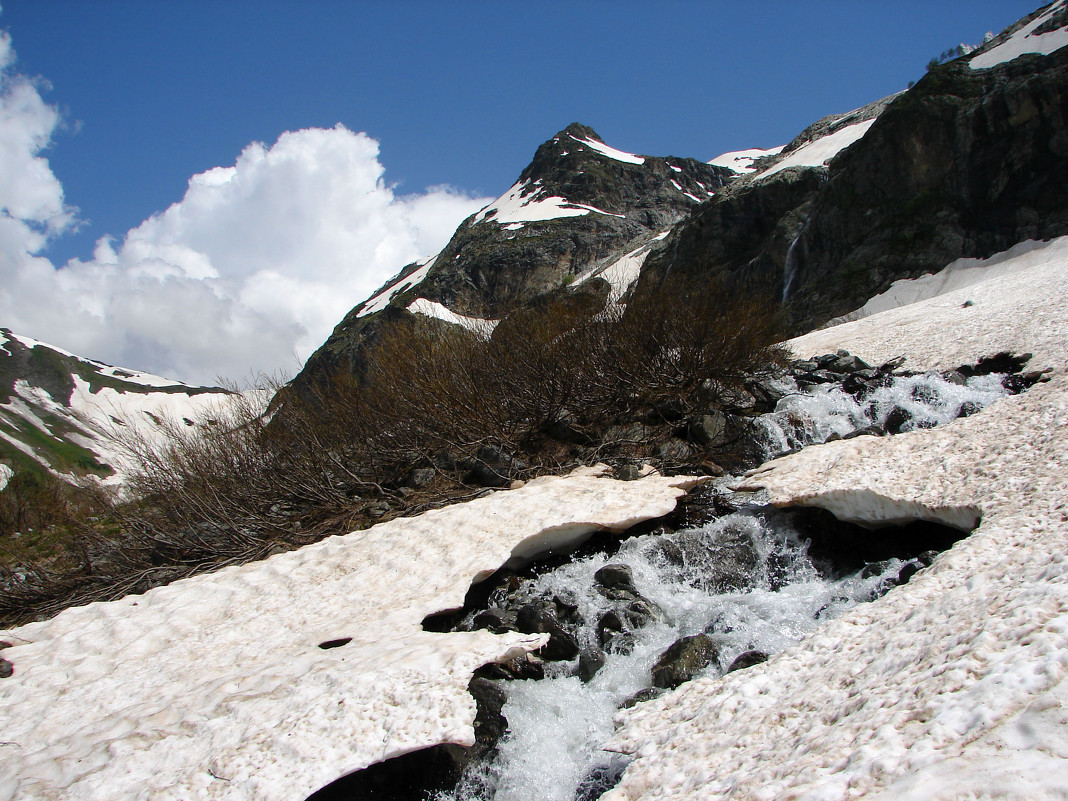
x,y
952,686
741,161
1025,41
822,150
380,300
215,687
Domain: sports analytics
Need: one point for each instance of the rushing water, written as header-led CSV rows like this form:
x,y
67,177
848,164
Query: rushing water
x,y
748,585
921,401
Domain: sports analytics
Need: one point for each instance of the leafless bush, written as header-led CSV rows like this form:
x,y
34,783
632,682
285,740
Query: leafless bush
x,y
434,395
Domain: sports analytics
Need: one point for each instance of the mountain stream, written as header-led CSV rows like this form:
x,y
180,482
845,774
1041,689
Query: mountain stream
x,y
636,619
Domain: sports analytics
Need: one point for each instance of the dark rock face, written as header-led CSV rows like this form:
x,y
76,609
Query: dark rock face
x,y
488,268
964,164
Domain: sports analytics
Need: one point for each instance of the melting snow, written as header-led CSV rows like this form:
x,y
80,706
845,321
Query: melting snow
x,y
215,687
741,161
523,203
822,150
5,475
954,685
611,152
1025,41
434,309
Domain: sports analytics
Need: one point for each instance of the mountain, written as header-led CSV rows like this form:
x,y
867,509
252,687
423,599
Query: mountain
x,y
62,413
574,213
966,163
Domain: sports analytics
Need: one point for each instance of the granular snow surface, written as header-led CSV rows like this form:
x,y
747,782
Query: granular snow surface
x,y
216,687
954,685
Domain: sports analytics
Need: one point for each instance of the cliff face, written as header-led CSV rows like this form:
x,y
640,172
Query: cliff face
x,y
968,162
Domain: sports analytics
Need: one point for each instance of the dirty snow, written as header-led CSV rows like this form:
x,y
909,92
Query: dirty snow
x,y
741,161
5,475
952,686
1025,41
214,687
439,311
822,150
611,152
380,300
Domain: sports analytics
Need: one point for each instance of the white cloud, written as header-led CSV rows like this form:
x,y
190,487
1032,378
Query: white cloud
x,y
249,271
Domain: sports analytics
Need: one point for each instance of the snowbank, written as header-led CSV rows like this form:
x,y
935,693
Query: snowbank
x,y
216,687
952,686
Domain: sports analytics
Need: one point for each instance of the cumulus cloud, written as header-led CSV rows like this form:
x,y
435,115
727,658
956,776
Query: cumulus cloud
x,y
248,272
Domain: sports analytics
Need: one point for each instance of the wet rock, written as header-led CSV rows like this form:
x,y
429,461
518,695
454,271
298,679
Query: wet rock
x,y
640,612
648,694
590,661
7,669
746,660
968,408
909,570
683,660
847,364
628,472
897,420
621,643
609,625
616,576
955,377
496,620
601,779
540,618
490,723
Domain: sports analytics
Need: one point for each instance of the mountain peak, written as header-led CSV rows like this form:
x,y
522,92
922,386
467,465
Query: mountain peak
x,y
577,130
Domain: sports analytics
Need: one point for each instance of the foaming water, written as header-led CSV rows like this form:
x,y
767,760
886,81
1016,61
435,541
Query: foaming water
x,y
806,417
745,584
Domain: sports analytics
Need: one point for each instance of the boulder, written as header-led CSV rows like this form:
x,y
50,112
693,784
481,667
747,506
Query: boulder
x,y
683,660
748,659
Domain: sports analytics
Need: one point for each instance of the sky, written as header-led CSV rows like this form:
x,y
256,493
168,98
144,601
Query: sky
x,y
204,189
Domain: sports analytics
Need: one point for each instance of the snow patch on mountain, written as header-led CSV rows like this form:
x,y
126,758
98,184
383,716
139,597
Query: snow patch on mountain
x,y
5,475
611,152
527,202
624,271
822,150
1026,40
105,701
438,311
741,161
953,685
381,299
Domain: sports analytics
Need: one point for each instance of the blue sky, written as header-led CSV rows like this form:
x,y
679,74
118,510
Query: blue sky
x,y
150,94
